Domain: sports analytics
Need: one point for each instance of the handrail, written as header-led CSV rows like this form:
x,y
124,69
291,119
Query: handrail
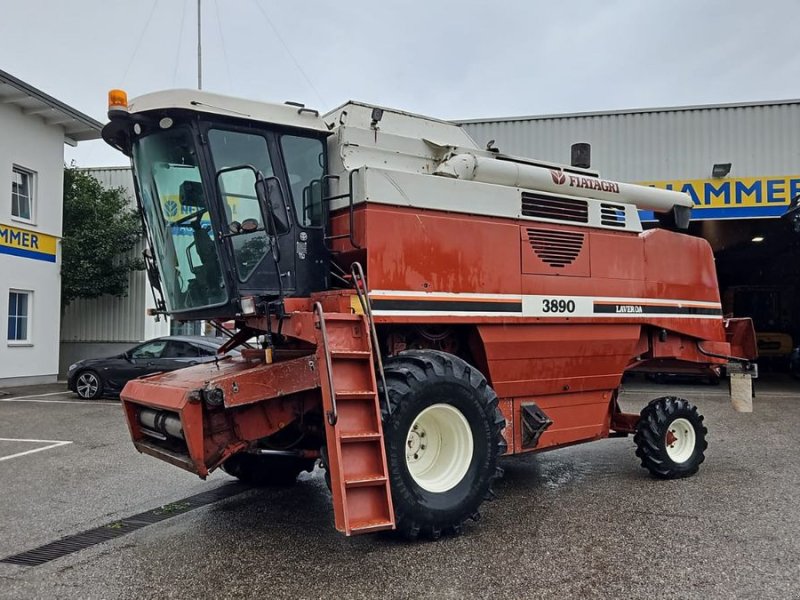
x,y
333,414
351,209
357,272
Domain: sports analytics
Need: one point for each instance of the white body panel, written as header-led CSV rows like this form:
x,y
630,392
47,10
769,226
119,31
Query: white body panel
x,y
441,193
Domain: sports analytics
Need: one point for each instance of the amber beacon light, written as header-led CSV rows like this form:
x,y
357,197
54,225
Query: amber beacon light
x,y
117,101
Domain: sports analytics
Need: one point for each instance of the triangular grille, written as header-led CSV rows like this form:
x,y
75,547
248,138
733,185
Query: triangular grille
x,y
556,248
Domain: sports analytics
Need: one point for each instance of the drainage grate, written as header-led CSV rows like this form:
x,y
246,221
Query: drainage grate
x,y
115,529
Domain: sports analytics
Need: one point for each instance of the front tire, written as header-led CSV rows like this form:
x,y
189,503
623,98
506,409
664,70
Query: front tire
x,y
265,471
671,438
89,385
443,437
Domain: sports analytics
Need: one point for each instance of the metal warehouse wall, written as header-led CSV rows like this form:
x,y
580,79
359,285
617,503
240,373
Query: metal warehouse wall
x,y
659,144
110,319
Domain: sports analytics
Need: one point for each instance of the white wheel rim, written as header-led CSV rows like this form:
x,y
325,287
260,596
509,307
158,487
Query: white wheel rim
x,y
439,448
680,440
87,385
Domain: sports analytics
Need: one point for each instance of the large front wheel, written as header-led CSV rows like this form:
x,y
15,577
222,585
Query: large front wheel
x,y
443,436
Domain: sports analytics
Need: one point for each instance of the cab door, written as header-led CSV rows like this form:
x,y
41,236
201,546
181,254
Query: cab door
x,y
247,236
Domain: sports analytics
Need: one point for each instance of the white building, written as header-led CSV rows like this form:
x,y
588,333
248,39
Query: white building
x,y
33,130
96,327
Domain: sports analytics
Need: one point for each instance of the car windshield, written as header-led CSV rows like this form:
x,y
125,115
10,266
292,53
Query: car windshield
x,y
166,167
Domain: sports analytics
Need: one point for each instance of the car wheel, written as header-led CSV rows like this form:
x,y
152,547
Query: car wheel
x,y
671,438
443,438
89,385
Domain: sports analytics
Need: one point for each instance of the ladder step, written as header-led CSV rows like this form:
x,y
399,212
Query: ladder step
x,y
370,526
358,354
356,395
367,436
365,481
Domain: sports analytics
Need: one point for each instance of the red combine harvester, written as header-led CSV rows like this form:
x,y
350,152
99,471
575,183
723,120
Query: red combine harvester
x,y
500,302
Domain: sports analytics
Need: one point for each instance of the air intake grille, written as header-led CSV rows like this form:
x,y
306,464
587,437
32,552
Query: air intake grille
x,y
549,207
612,215
556,248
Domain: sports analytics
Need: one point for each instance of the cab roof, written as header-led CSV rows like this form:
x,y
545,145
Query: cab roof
x,y
290,115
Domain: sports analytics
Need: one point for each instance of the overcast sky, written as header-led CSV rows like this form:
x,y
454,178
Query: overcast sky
x,y
460,59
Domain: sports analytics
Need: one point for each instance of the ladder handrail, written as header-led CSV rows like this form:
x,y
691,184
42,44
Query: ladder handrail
x,y
333,414
357,271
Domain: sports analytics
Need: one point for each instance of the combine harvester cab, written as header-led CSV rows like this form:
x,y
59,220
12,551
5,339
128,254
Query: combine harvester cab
x,y
506,299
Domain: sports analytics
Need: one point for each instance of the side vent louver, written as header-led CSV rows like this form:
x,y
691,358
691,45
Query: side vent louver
x,y
549,207
612,215
556,248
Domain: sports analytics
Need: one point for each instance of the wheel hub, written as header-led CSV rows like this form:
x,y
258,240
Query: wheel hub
x,y
415,445
680,440
439,448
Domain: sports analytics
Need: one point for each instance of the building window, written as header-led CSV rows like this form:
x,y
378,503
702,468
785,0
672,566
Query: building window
x,y
19,320
22,194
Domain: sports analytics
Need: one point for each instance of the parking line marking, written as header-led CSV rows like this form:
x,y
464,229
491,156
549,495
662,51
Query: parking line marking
x,y
51,444
37,395
33,399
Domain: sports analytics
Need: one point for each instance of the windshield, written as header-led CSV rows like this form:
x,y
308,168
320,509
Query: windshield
x,y
177,216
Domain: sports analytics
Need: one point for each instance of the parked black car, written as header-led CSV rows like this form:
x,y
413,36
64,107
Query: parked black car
x,y
94,377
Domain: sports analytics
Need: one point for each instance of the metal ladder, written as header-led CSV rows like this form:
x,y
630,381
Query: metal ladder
x,y
356,461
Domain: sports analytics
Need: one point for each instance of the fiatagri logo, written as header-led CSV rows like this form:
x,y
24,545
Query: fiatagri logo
x,y
590,183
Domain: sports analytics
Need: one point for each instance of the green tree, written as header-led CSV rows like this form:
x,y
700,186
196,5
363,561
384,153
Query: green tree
x,y
100,230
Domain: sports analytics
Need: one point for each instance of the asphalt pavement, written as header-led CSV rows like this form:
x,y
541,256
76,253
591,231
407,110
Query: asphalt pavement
x,y
580,522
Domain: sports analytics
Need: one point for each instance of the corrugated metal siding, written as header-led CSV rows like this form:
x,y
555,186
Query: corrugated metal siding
x,y
759,140
110,319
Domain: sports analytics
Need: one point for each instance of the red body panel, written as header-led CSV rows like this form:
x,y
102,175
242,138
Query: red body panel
x,y
570,366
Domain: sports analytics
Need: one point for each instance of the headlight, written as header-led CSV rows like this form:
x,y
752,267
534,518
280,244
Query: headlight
x,y
72,367
248,305
214,396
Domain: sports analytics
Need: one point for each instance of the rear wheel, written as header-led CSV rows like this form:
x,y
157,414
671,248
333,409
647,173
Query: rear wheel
x,y
262,471
671,438
443,438
89,385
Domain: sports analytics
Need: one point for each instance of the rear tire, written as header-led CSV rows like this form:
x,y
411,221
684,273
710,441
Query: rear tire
x,y
263,471
671,438
443,438
89,385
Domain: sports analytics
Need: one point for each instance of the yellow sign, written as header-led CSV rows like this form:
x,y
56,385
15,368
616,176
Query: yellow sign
x,y
737,197
27,244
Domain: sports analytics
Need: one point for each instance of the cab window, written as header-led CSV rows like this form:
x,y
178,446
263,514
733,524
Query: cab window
x,y
305,165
